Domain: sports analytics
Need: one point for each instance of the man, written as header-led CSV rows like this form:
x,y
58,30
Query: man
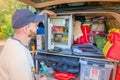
x,y
15,60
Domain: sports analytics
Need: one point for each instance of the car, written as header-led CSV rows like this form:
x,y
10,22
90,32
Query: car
x,y
64,75
91,9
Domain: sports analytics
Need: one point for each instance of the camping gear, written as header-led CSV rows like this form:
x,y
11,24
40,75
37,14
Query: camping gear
x,y
86,50
64,64
112,47
95,69
118,72
85,39
77,30
98,26
100,41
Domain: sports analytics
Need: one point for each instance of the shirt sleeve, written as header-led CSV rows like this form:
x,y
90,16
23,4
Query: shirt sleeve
x,y
19,68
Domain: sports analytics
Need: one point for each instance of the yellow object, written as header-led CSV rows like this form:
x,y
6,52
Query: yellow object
x,y
64,39
114,30
111,49
86,24
34,70
106,48
33,50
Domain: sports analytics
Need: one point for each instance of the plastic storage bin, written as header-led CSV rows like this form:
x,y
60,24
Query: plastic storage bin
x,y
95,70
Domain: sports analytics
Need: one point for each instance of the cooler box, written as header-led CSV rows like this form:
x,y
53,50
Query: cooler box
x,y
95,70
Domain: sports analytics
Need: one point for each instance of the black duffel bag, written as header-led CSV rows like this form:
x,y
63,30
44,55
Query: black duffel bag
x,y
66,64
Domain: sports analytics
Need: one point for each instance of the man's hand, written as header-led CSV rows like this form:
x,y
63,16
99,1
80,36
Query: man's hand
x,y
50,13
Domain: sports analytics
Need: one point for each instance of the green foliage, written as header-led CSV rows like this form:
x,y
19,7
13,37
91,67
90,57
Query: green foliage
x,y
6,31
6,10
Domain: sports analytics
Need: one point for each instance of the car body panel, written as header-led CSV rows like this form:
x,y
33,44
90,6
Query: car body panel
x,y
46,3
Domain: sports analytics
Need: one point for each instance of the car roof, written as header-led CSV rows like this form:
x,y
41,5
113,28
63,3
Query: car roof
x,y
48,3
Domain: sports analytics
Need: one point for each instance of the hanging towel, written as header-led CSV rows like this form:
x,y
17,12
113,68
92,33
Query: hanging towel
x,y
77,30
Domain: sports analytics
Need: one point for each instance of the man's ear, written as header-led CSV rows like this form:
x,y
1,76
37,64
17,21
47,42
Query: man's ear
x,y
26,29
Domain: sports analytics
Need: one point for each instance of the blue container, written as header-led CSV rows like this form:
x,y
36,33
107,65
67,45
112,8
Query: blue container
x,y
95,70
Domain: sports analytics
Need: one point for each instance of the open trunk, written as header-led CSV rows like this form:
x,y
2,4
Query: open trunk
x,y
99,15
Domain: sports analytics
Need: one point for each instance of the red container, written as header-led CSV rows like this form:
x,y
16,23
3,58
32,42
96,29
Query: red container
x,y
64,75
86,36
118,73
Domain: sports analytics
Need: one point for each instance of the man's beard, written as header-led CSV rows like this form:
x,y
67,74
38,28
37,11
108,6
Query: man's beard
x,y
32,34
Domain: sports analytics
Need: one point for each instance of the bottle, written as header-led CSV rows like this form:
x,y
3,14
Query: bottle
x,y
91,37
44,68
39,42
